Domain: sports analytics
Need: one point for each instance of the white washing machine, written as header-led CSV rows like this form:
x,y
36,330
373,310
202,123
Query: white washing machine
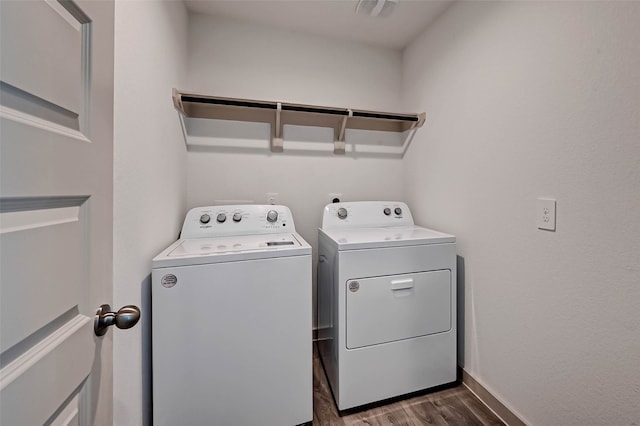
x,y
232,320
386,303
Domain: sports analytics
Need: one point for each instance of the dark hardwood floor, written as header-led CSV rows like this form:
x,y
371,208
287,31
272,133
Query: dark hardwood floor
x,y
453,406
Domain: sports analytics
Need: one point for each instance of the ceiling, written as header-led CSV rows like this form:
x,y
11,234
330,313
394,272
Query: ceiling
x,y
331,18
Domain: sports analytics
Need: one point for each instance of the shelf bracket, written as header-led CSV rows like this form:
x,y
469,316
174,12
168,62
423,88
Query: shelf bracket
x,y
411,133
177,104
339,144
276,131
177,101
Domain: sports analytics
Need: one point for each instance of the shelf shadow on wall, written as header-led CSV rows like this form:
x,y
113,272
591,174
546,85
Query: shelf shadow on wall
x,y
288,152
227,136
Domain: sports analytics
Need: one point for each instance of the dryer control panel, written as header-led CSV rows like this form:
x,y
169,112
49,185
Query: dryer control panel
x,y
366,214
246,219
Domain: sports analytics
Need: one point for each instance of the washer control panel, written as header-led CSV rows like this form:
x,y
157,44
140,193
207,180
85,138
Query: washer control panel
x,y
211,221
366,214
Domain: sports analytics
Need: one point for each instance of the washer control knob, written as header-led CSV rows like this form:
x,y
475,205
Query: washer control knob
x,y
342,213
205,218
221,217
397,211
387,211
272,216
237,217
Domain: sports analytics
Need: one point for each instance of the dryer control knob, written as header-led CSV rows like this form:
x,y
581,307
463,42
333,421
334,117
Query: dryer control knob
x,y
342,213
221,217
205,218
237,217
272,216
387,211
398,211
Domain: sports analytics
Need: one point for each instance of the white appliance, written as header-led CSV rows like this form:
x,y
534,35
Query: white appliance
x,y
232,320
386,303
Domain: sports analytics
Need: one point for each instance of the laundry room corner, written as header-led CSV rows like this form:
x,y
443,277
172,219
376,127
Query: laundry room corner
x,y
149,179
326,212
265,63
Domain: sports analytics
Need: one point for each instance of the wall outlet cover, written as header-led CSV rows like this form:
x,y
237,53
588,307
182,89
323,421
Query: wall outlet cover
x,y
272,198
333,196
546,214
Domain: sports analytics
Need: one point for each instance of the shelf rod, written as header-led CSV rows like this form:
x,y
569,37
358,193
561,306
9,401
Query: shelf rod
x,y
385,116
229,102
316,110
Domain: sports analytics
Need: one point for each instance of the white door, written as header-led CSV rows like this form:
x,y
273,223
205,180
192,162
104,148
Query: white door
x,y
55,211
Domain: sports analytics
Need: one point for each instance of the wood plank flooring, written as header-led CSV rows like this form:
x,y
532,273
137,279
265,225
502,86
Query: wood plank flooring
x,y
453,406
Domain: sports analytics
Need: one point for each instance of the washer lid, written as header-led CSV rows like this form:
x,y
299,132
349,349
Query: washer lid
x,y
395,236
196,251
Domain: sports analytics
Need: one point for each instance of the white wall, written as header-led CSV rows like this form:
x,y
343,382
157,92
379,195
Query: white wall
x,y
529,99
150,179
234,59
241,59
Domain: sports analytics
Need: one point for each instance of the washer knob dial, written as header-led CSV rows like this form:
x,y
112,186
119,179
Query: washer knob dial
x,y
221,217
272,216
342,213
398,211
387,211
205,218
237,217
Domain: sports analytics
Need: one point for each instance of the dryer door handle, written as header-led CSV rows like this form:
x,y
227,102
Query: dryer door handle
x,y
401,284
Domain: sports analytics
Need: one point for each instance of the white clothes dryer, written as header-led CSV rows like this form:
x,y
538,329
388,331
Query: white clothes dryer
x,y
231,320
386,303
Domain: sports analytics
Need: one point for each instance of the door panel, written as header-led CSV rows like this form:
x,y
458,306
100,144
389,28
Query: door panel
x,y
57,364
56,239
49,52
69,415
56,161
390,308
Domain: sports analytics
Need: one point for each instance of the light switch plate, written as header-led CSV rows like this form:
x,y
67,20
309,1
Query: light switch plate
x,y
546,214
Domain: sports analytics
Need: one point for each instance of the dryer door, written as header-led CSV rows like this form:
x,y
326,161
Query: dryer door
x,y
397,307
